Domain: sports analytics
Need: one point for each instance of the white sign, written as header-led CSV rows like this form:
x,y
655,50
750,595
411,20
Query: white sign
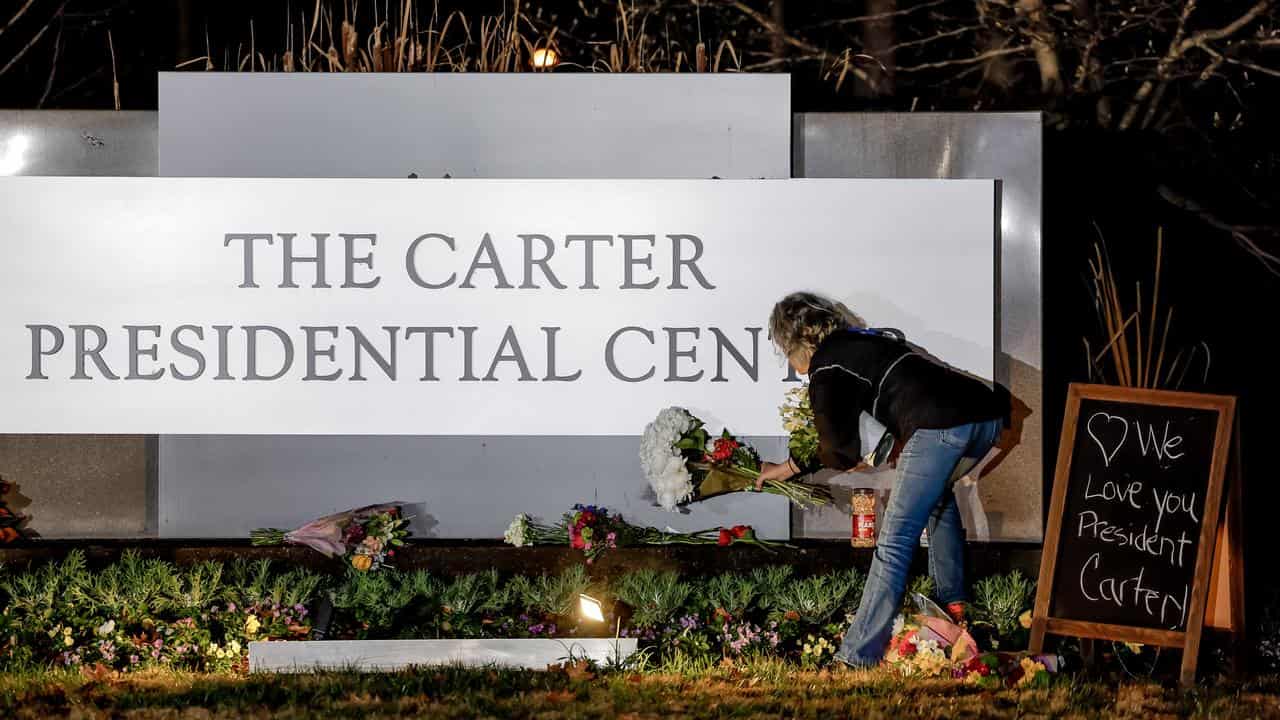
x,y
458,307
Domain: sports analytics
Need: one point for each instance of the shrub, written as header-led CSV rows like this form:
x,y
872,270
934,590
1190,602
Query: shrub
x,y
138,612
998,604
656,598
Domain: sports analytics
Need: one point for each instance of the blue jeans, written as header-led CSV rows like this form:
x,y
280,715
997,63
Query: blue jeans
x,y
922,495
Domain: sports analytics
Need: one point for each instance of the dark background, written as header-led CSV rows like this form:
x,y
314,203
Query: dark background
x,y
1202,166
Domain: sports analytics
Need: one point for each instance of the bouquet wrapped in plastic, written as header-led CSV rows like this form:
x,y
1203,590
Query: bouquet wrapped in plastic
x,y
926,642
365,537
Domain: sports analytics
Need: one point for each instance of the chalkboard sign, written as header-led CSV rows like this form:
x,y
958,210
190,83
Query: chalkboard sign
x,y
1134,515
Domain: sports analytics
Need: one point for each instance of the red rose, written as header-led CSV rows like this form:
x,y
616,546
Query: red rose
x,y
740,531
907,646
975,665
722,449
354,533
725,537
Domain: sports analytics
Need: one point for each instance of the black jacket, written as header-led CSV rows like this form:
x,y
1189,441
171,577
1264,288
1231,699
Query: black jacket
x,y
852,372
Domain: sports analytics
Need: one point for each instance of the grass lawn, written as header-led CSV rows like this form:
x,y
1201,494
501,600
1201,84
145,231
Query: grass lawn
x,y
761,690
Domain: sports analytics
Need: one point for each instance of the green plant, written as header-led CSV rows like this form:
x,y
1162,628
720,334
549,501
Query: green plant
x,y
132,588
199,586
919,585
555,595
370,599
36,597
471,593
731,593
999,602
296,587
771,581
249,580
816,600
138,613
655,597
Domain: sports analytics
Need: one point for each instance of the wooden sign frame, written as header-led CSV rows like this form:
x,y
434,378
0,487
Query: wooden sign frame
x,y
1188,640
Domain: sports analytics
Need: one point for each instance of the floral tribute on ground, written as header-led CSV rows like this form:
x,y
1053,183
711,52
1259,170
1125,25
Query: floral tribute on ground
x,y
684,464
365,538
927,643
595,530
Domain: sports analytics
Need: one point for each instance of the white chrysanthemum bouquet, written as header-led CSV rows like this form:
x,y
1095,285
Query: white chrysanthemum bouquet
x,y
684,464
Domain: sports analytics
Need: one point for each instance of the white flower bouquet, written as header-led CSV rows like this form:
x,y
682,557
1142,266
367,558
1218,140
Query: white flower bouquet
x,y
684,464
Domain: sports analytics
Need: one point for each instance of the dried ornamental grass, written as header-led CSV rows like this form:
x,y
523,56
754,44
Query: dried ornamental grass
x,y
405,39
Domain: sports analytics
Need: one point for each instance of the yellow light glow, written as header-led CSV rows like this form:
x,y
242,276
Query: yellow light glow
x,y
590,608
544,59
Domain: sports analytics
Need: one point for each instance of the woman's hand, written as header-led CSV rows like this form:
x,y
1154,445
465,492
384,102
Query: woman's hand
x,y
774,471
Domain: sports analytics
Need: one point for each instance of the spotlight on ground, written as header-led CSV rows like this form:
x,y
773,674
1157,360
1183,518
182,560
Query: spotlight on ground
x,y
590,608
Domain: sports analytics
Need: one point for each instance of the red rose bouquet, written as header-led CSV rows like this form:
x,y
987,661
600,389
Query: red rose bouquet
x,y
594,530
684,464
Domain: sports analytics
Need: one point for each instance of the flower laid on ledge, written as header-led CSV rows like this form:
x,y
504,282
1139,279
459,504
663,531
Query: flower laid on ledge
x,y
524,531
594,530
10,522
684,464
365,537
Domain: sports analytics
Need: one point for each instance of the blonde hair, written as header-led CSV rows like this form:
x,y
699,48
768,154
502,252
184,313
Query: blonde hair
x,y
802,320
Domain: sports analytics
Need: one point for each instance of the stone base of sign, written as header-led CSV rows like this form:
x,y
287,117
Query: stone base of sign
x,y
388,655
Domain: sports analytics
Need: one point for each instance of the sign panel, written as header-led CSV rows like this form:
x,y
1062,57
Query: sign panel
x,y
1136,502
475,125
457,307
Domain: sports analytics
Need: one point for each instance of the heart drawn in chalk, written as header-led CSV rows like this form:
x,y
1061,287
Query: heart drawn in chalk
x,y
1108,430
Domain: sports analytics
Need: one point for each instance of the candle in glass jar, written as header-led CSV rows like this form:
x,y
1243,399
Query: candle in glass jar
x,y
864,518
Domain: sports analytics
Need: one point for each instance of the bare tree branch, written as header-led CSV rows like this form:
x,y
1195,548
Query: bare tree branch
x,y
17,15
1242,234
981,57
812,50
31,43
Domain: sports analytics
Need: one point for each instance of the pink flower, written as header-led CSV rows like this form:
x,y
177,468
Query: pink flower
x,y
325,535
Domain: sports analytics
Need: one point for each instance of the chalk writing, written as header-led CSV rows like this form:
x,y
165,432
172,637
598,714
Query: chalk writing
x,y
1132,515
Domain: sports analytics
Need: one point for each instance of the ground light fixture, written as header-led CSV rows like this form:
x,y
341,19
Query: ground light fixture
x,y
590,608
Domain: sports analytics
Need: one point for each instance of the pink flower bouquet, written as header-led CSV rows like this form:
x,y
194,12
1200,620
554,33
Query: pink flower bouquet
x,y
365,537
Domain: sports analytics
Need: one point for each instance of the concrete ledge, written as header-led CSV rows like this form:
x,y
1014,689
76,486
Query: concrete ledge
x,y
387,655
456,557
